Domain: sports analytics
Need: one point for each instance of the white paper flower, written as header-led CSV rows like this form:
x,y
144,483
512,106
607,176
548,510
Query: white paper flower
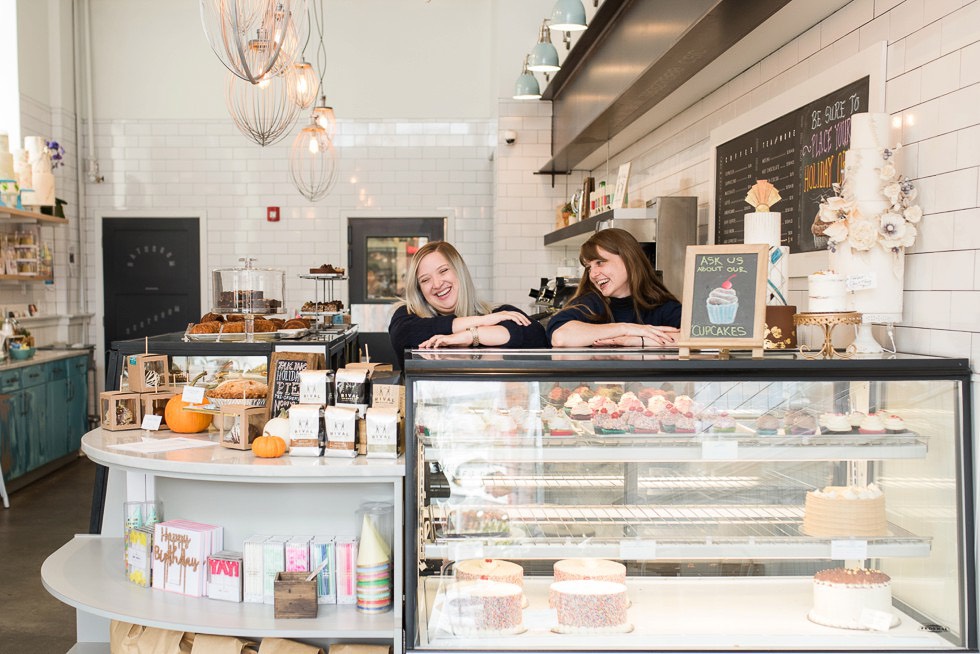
x,y
892,226
863,234
836,232
913,214
837,203
892,192
887,172
827,214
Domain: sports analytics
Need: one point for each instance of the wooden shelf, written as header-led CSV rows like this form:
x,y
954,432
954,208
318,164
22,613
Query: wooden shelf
x,y
19,215
24,278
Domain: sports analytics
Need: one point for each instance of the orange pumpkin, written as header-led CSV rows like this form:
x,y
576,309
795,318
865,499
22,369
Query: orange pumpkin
x,y
182,421
269,447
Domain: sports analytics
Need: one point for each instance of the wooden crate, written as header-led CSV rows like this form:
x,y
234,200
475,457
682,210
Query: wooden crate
x,y
293,596
155,404
119,410
240,425
147,373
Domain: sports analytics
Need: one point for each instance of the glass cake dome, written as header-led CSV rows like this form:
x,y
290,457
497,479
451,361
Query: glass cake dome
x,y
247,289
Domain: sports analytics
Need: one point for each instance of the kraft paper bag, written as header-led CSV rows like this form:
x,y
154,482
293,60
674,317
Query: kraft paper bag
x,y
210,644
280,646
127,638
355,648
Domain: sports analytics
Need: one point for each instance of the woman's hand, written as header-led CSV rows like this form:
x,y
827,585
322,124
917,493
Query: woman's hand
x,y
459,339
503,316
641,336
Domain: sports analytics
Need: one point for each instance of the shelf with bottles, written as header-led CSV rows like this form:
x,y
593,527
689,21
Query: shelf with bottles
x,y
24,256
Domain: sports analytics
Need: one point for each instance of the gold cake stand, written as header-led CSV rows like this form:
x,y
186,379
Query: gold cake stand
x,y
828,321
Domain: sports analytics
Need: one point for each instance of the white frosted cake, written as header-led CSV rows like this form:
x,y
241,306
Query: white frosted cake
x,y
864,162
826,292
838,511
484,607
6,159
597,569
763,227
590,607
852,598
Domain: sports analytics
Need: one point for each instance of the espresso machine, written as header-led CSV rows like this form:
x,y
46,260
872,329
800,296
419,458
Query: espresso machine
x,y
552,295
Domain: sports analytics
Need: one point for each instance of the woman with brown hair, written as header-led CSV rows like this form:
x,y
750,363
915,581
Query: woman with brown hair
x,y
619,301
442,309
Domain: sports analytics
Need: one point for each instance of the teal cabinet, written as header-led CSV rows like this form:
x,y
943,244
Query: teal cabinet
x,y
43,414
56,410
77,401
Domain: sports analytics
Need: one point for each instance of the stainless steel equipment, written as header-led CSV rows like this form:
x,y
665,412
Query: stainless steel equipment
x,y
665,227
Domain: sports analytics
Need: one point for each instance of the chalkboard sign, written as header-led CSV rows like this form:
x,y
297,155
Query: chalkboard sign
x,y
724,302
801,153
284,369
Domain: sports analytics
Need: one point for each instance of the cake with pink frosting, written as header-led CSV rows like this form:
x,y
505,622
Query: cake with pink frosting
x,y
484,607
590,607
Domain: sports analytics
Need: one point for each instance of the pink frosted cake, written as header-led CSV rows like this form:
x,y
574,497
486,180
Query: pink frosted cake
x,y
590,607
484,607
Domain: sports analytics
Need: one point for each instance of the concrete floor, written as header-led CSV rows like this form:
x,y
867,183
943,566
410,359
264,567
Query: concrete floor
x,y
42,517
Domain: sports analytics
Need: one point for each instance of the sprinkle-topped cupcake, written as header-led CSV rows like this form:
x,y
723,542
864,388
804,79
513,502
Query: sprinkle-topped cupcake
x,y
724,424
645,423
872,424
893,424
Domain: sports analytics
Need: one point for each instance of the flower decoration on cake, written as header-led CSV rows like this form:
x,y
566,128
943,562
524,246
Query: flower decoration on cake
x,y
873,205
57,153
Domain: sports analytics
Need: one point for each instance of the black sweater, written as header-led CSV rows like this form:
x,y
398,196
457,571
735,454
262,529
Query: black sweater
x,y
407,330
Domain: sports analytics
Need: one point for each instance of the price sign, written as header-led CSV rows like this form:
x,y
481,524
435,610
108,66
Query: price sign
x,y
876,620
849,549
638,550
151,422
719,450
193,394
861,282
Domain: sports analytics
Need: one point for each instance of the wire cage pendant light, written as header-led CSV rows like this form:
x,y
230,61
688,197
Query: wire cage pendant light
x,y
263,112
313,162
302,84
255,39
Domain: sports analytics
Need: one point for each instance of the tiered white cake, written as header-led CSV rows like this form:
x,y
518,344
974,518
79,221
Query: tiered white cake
x,y
6,159
42,189
880,271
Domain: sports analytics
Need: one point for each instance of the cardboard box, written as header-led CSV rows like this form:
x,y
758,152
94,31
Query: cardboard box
x,y
294,597
387,391
370,366
155,404
239,425
120,410
147,373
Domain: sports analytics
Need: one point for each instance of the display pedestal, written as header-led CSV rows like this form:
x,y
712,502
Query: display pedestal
x,y
865,342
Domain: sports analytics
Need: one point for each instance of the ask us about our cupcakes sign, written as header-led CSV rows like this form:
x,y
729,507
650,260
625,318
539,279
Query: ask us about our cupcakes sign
x,y
724,297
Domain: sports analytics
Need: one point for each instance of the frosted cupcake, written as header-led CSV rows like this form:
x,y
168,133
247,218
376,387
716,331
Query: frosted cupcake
x,y
657,404
560,426
872,424
668,421
722,304
836,423
723,424
609,423
855,418
581,411
893,424
645,423
767,425
686,424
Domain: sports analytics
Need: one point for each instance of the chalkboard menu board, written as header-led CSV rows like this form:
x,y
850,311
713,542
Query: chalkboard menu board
x,y
724,296
284,369
801,153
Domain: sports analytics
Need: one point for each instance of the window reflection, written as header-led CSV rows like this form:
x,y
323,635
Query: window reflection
x,y
387,265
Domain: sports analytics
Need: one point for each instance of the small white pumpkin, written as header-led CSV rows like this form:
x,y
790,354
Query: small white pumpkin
x,y
277,427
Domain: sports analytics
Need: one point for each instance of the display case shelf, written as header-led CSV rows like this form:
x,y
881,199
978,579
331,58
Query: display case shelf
x,y
671,613
87,573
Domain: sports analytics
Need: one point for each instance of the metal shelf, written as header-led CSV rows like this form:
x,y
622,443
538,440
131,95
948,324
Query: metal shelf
x,y
645,532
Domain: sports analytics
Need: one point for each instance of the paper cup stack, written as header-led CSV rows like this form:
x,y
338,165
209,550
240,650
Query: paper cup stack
x,y
374,572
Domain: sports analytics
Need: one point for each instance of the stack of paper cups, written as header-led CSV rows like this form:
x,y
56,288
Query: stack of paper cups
x,y
374,572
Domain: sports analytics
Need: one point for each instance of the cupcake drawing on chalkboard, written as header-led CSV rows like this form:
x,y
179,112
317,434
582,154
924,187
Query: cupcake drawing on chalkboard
x,y
722,304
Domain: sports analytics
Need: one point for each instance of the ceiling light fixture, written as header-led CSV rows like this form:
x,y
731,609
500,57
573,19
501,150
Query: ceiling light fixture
x,y
254,39
313,160
568,16
263,112
526,87
544,56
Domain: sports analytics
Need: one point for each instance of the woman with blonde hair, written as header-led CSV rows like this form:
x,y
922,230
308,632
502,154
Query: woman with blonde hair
x,y
442,309
620,300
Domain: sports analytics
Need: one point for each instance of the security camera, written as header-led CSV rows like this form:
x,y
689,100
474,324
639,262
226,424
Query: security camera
x,y
510,137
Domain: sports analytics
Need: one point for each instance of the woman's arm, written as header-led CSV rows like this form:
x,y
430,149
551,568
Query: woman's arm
x,y
515,330
407,330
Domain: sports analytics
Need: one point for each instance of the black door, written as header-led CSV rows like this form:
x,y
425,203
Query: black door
x,y
152,274
380,250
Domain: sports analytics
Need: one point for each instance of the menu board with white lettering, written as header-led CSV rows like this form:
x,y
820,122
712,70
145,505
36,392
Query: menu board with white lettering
x,y
801,153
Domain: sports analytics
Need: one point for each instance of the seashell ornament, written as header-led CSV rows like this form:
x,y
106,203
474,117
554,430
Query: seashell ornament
x,y
762,195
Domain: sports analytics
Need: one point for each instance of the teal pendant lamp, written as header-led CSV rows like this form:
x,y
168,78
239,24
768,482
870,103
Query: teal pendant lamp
x,y
527,87
544,56
568,16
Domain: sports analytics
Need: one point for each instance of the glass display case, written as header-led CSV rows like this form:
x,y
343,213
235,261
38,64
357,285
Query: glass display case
x,y
621,500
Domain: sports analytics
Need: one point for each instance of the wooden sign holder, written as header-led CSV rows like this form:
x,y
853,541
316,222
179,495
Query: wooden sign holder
x,y
721,269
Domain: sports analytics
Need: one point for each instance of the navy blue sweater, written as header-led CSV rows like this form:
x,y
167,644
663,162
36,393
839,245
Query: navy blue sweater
x,y
407,330
667,314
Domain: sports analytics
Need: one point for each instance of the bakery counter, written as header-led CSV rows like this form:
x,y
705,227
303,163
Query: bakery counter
x,y
214,462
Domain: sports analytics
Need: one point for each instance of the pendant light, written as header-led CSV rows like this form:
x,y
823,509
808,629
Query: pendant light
x,y
263,112
526,87
544,56
568,16
254,39
313,160
301,80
